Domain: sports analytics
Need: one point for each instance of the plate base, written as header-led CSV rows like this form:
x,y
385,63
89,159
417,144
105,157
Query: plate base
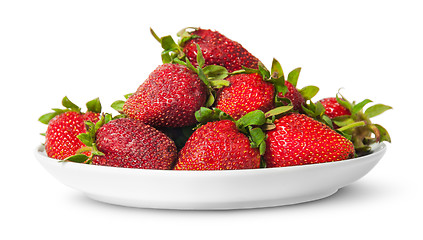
x,y
212,206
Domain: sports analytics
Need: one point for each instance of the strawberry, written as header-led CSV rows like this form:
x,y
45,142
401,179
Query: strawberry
x,y
259,89
64,125
246,93
130,143
223,143
217,49
353,121
168,98
299,139
333,108
218,146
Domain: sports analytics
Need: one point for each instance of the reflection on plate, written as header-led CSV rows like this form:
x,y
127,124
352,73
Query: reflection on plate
x,y
228,189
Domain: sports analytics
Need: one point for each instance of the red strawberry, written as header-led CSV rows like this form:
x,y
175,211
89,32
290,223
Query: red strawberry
x,y
351,119
294,95
255,89
246,93
65,125
333,108
218,146
217,50
168,98
129,143
299,139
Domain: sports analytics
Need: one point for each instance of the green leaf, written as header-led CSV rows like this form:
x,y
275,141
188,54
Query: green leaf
x,y
246,71
94,105
166,58
107,118
103,120
200,58
47,117
263,71
118,105
376,110
257,135
190,66
96,151
204,115
351,126
279,84
276,70
59,111
68,104
210,99
78,158
202,76
219,83
277,111
215,72
155,35
356,108
293,76
344,102
86,139
168,44
320,109
327,120
128,95
269,125
384,135
262,148
282,101
179,61
307,109
309,92
254,118
343,120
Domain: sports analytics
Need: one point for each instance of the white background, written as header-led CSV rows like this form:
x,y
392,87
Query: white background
x,y
84,49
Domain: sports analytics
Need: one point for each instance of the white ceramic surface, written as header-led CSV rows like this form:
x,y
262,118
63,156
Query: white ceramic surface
x,y
230,189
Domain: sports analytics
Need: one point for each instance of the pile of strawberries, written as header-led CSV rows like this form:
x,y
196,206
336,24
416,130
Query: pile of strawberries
x,y
212,105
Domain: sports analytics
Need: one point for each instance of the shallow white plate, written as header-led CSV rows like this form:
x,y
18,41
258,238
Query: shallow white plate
x,y
229,189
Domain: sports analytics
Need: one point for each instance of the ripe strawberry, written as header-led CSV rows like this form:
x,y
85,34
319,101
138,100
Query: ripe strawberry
x,y
217,50
353,121
255,89
64,125
168,98
299,139
333,108
246,93
218,146
129,143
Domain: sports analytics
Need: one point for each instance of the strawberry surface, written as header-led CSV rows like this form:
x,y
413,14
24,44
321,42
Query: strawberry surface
x,y
218,146
299,139
62,131
219,50
129,143
246,93
168,98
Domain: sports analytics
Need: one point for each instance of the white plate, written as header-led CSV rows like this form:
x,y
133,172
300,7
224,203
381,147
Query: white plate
x,y
229,189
